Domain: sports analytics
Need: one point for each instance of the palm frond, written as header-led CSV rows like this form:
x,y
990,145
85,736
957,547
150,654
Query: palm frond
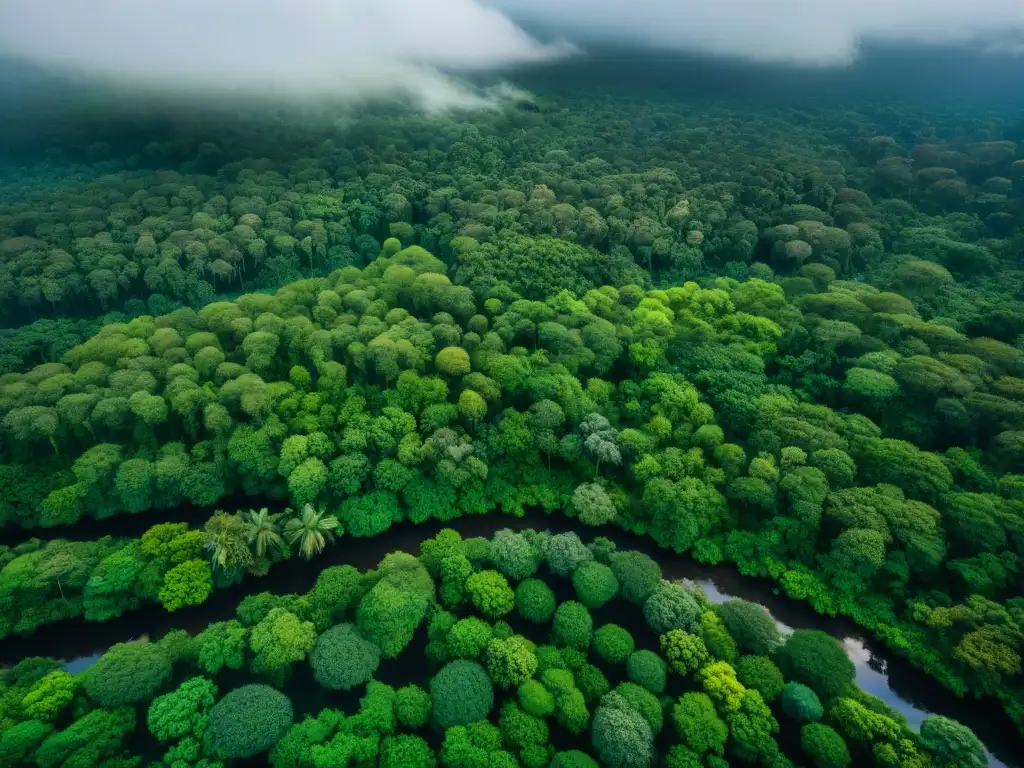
x,y
312,531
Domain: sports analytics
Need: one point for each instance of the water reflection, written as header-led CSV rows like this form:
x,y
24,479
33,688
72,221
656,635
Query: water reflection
x,y
872,672
904,688
79,664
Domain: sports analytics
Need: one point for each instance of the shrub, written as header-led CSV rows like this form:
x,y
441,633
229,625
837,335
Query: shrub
x,y
570,706
638,575
571,711
406,751
468,638
573,759
670,607
19,742
278,641
412,706
511,661
343,659
176,714
188,583
591,682
535,601
536,699
801,703
574,658
717,638
718,679
648,669
592,504
811,657
572,625
644,702
550,657
377,709
613,643
684,652
681,757
337,590
697,724
825,747
513,555
432,551
520,729
222,644
621,736
477,550
954,745
88,741
49,696
491,593
180,646
751,626
249,720
452,361
535,756
461,693
601,547
565,552
595,584
475,745
761,674
389,614
127,674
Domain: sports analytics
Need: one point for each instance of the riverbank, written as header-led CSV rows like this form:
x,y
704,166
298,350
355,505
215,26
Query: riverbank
x,y
879,672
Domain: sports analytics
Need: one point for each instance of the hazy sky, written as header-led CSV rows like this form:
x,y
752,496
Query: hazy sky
x,y
811,31
361,47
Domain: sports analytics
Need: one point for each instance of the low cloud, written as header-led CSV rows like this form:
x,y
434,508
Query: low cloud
x,y
816,32
363,48
348,48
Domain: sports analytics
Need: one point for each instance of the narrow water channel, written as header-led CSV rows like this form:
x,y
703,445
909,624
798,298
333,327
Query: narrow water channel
x,y
907,690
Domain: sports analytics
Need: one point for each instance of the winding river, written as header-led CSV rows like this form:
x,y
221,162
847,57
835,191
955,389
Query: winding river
x,y
879,672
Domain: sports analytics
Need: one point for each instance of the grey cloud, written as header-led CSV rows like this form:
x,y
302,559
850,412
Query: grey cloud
x,y
360,48
803,31
344,47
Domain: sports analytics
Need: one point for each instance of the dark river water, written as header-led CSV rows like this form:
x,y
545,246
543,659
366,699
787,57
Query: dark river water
x,y
879,672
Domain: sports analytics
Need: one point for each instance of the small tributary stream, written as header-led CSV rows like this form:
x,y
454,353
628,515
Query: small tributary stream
x,y
879,672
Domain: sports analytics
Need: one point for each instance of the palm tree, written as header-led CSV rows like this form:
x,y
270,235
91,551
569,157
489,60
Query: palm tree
x,y
224,537
261,530
312,530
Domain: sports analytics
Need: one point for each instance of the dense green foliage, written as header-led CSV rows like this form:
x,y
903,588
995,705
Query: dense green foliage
x,y
535,601
788,340
801,703
670,607
342,659
412,706
646,668
183,711
824,746
387,427
496,697
249,720
461,693
951,743
612,643
751,626
622,738
573,625
127,674
811,657
595,584
390,612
